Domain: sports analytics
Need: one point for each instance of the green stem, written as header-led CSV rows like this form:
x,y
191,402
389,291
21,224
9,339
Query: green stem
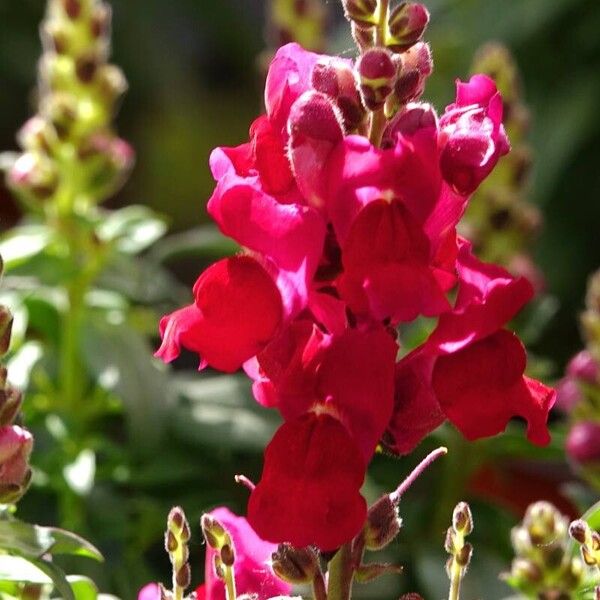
x,y
230,584
378,119
455,579
341,574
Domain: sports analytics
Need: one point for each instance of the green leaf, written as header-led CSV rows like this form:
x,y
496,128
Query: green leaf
x,y
132,229
58,577
83,588
592,516
34,541
220,411
203,241
22,243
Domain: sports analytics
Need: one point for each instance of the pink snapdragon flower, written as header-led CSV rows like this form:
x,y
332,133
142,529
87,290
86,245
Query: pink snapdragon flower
x,y
16,444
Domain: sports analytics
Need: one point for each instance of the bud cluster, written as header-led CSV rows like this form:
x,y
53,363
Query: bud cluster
x,y
542,566
78,93
15,442
500,220
177,537
589,540
460,551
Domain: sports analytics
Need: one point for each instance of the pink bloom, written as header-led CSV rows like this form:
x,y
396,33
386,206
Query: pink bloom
x,y
253,573
584,367
237,311
475,136
15,447
309,492
150,591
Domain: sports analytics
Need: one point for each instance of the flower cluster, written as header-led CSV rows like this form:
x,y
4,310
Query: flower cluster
x,y
346,200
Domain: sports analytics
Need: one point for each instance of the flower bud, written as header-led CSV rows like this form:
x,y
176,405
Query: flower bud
x,y
100,21
61,110
585,367
10,404
334,77
583,442
86,67
526,571
183,577
227,555
15,447
417,66
541,520
72,8
361,12
111,83
407,23
32,174
214,533
382,525
37,134
462,519
295,565
55,37
463,556
568,394
377,75
6,321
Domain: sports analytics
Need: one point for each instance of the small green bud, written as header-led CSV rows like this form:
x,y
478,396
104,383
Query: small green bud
x,y
407,23
361,12
171,543
214,533
227,555
526,571
463,556
183,577
295,565
462,519
86,67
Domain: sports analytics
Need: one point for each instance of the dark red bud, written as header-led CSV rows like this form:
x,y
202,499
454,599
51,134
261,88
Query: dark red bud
x,y
313,117
377,75
361,12
407,23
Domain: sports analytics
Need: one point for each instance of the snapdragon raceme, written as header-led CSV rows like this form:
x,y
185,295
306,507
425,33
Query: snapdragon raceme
x,y
345,201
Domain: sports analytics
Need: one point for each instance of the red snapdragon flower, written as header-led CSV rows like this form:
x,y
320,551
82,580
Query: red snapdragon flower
x,y
470,370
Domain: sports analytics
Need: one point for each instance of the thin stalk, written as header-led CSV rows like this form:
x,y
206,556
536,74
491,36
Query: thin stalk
x,y
230,583
378,119
417,472
341,574
455,579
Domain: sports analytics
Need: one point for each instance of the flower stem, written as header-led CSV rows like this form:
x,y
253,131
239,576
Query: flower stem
x,y
230,584
341,574
378,119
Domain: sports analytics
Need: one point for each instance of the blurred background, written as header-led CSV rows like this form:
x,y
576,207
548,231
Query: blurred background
x,y
195,70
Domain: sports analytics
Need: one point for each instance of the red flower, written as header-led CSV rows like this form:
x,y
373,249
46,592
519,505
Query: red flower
x,y
309,492
237,311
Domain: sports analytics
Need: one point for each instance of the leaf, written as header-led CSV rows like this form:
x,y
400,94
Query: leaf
x,y
58,577
203,241
220,411
132,229
83,587
32,541
17,568
121,360
22,243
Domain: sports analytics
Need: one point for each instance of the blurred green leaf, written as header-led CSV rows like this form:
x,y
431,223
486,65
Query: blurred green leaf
x,y
132,229
203,241
22,243
58,577
220,411
17,568
121,360
83,588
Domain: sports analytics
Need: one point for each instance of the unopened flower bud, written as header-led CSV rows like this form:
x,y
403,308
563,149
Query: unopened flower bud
x,y
171,543
111,82
462,519
334,77
61,110
585,367
214,533
295,565
177,523
541,520
33,175
55,37
183,577
100,21
382,525
15,447
86,66
450,545
10,404
521,541
370,572
227,555
463,556
417,65
361,12
377,76
6,321
527,571
72,8
37,134
583,442
407,23
589,557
